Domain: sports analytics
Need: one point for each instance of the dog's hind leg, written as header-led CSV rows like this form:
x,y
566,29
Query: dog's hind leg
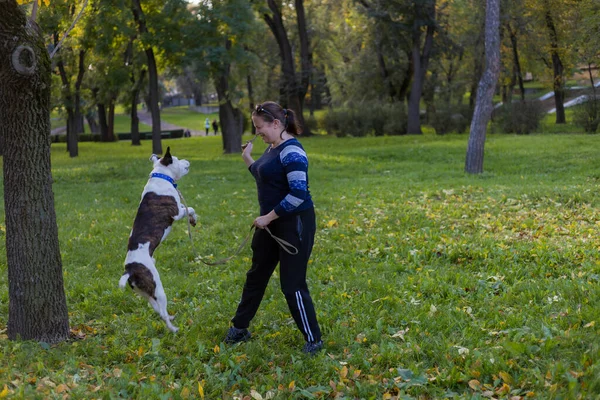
x,y
160,306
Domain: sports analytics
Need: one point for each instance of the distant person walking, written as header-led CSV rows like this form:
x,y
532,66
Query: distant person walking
x,y
207,125
215,126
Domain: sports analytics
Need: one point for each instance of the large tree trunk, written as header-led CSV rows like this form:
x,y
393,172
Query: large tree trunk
x,y
420,62
485,91
229,117
557,69
37,304
138,15
289,87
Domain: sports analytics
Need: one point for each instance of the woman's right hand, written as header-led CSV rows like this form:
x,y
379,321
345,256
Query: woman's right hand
x,y
247,153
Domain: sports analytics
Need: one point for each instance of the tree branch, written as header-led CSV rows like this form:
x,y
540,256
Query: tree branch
x,y
69,30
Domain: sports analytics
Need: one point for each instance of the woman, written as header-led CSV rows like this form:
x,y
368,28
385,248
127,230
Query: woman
x,y
286,207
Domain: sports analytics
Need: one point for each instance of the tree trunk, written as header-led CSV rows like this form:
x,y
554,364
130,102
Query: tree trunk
x,y
135,98
91,119
250,98
517,63
37,304
420,62
557,69
69,103
102,122
229,117
138,15
111,121
289,88
306,59
485,91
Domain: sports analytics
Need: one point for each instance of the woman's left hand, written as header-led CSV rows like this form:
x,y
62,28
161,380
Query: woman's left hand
x,y
264,220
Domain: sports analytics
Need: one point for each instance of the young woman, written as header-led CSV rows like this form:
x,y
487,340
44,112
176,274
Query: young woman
x,y
286,207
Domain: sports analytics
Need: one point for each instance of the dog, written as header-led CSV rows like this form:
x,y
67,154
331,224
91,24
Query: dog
x,y
160,206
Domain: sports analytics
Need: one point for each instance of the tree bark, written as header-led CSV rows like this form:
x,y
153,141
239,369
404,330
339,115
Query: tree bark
x,y
229,116
37,304
485,91
557,69
140,19
420,62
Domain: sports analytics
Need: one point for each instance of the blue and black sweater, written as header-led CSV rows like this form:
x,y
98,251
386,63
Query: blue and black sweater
x,y
281,175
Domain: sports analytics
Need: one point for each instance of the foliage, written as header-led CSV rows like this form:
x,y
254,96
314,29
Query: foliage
x,y
362,119
454,119
428,283
522,117
587,115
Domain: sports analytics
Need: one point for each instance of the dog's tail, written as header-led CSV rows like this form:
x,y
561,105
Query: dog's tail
x,y
123,280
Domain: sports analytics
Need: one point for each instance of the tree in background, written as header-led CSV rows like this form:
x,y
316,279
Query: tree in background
x,y
37,303
485,91
293,89
220,37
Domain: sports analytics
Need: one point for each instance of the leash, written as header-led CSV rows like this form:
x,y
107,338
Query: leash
x,y
285,245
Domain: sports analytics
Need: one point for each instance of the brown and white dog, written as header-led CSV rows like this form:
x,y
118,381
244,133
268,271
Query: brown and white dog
x,y
159,207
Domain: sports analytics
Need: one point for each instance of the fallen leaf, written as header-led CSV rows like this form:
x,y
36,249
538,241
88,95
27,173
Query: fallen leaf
x,y
4,392
474,384
200,390
255,395
344,371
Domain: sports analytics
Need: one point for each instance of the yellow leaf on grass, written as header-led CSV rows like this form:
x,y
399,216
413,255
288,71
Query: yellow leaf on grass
x,y
590,325
331,223
505,376
503,390
344,372
474,384
185,393
4,392
292,385
200,390
217,349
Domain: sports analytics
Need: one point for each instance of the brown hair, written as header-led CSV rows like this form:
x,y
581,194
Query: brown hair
x,y
269,111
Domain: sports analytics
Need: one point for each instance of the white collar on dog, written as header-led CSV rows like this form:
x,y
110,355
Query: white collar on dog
x,y
165,177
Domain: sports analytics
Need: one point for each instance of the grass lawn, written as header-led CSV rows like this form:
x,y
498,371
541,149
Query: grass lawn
x,y
428,283
185,117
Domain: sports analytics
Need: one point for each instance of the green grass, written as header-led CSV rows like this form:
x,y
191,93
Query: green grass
x,y
428,283
183,116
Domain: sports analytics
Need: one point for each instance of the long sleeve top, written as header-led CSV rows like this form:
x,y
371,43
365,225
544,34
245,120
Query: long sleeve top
x,y
281,175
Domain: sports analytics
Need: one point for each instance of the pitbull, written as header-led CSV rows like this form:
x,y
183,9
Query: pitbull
x,y
159,207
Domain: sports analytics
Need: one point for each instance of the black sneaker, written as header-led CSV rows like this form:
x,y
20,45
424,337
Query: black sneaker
x,y
236,335
311,348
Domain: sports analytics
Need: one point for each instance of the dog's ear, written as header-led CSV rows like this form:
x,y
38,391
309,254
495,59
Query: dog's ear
x,y
154,157
167,158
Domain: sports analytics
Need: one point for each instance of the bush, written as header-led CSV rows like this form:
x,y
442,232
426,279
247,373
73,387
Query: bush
x,y
522,117
454,119
587,115
363,120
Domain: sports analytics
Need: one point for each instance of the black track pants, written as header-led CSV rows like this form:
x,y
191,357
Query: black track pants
x,y
299,230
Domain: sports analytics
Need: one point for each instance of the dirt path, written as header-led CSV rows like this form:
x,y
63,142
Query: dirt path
x,y
146,118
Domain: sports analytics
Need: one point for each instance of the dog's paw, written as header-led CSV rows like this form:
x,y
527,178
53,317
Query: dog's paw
x,y
173,329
